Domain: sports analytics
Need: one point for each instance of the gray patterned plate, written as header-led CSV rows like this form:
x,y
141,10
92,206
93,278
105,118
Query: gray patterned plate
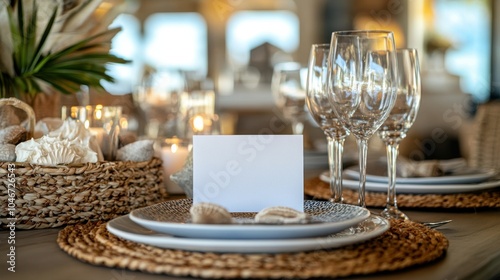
x,y
370,228
172,217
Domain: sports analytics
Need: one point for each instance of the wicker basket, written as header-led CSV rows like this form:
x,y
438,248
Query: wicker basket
x,y
54,196
486,144
34,196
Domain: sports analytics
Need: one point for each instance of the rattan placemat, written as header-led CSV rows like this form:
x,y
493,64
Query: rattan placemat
x,y
405,244
319,189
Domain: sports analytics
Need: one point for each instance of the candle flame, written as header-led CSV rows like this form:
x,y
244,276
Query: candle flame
x,y
174,148
98,113
198,123
124,123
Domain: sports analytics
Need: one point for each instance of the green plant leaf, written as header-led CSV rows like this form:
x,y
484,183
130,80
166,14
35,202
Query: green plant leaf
x,y
82,63
43,39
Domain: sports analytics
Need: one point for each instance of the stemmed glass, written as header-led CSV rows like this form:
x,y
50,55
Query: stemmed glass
x,y
401,118
288,87
158,98
362,75
321,110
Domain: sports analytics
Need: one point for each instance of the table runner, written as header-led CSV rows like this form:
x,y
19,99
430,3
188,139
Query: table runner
x,y
319,189
405,244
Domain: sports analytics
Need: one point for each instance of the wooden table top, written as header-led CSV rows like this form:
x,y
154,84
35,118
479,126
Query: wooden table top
x,y
474,252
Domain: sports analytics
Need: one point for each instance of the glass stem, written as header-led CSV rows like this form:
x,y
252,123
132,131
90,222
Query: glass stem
x,y
392,155
363,153
335,151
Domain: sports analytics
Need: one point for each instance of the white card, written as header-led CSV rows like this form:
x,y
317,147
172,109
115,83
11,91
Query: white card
x,y
247,173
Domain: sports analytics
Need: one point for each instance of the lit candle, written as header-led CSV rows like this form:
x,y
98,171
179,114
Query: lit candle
x,y
203,124
198,124
174,155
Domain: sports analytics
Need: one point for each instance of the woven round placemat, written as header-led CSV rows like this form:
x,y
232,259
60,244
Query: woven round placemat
x,y
318,189
405,244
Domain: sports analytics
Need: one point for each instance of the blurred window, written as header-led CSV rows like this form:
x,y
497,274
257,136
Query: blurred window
x,y
176,41
126,44
468,25
172,41
249,29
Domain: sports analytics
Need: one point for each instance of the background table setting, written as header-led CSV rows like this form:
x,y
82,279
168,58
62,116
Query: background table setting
x,y
248,211
465,188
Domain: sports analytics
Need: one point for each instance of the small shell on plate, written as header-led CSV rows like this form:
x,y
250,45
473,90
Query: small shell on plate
x,y
210,213
281,215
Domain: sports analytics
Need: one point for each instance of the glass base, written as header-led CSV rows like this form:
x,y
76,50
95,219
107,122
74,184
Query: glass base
x,y
394,213
337,200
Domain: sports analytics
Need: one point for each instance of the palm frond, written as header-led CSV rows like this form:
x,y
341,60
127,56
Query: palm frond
x,y
81,63
43,39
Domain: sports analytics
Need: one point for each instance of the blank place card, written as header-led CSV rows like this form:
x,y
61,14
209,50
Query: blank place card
x,y
247,173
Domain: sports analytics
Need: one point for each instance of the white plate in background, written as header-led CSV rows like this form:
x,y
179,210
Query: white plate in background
x,y
417,188
378,173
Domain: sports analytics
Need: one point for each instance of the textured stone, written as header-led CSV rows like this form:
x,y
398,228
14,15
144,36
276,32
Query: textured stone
x,y
184,177
141,150
13,134
7,152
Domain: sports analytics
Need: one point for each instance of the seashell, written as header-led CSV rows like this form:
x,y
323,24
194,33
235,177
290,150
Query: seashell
x,y
13,134
210,213
7,152
8,117
141,150
125,138
281,215
184,177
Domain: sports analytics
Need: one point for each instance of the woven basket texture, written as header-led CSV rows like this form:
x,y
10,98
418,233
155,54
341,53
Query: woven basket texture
x,y
486,144
48,197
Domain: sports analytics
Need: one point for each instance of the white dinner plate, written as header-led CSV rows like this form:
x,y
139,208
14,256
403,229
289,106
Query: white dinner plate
x,y
417,188
172,217
370,228
378,173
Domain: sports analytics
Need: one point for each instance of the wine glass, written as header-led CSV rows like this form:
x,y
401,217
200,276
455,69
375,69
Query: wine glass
x,y
401,118
288,87
157,96
362,76
321,110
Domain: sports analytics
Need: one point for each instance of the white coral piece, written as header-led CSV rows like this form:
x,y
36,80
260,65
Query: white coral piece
x,y
46,125
70,144
71,130
74,130
52,151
